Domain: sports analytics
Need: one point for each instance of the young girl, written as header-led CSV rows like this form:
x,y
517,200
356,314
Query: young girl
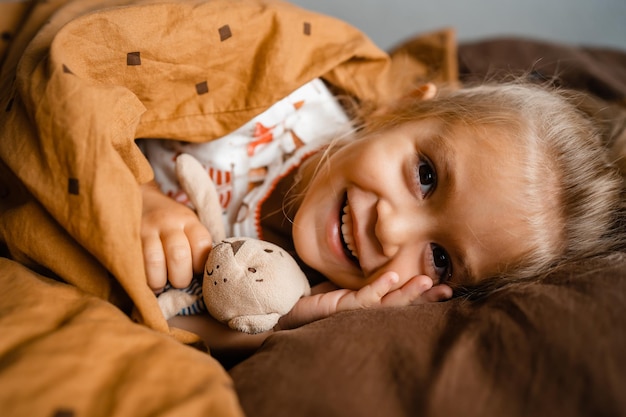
x,y
436,194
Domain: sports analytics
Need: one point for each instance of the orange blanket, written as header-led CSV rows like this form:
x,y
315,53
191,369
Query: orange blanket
x,y
80,81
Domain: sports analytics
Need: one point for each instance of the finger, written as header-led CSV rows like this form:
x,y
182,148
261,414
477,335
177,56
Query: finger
x,y
200,243
411,291
373,293
323,287
441,292
154,263
178,259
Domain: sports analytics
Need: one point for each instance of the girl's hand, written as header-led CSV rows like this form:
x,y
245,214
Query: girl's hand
x,y
175,243
379,293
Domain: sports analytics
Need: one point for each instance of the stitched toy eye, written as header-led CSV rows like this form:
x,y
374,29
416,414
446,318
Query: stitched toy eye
x,y
252,270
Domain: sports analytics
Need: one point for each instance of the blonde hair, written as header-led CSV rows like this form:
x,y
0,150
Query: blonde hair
x,y
578,210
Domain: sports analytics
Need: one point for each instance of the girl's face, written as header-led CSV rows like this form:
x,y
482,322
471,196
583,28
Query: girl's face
x,y
417,201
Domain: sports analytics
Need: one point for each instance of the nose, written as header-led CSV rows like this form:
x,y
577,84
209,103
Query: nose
x,y
236,245
398,226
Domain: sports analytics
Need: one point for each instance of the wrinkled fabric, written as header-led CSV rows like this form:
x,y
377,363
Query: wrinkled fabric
x,y
80,81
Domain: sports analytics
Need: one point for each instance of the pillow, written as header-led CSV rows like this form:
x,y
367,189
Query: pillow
x,y
595,70
547,348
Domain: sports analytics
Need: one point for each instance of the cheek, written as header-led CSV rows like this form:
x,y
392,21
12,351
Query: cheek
x,y
304,237
306,215
375,164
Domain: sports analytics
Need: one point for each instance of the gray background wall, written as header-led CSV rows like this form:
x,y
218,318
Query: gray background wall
x,y
386,22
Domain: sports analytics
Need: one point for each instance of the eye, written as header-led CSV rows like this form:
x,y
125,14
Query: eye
x,y
426,176
441,263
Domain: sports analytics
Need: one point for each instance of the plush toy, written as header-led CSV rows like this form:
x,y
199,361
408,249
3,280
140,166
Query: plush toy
x,y
248,283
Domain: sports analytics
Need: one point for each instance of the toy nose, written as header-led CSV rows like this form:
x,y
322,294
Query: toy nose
x,y
236,245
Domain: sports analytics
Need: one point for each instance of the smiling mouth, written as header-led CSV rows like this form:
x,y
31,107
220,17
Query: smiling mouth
x,y
347,233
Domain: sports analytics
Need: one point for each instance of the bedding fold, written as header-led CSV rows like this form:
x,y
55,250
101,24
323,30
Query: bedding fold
x,y
65,352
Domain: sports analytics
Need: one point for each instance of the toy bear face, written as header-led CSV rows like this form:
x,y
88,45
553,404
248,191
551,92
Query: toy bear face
x,y
246,276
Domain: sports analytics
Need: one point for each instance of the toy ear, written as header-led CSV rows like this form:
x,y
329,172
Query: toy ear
x,y
199,187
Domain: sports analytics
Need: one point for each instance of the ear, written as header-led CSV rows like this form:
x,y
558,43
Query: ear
x,y
441,292
423,92
200,189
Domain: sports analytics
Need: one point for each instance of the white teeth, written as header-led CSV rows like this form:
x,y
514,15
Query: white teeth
x,y
346,230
